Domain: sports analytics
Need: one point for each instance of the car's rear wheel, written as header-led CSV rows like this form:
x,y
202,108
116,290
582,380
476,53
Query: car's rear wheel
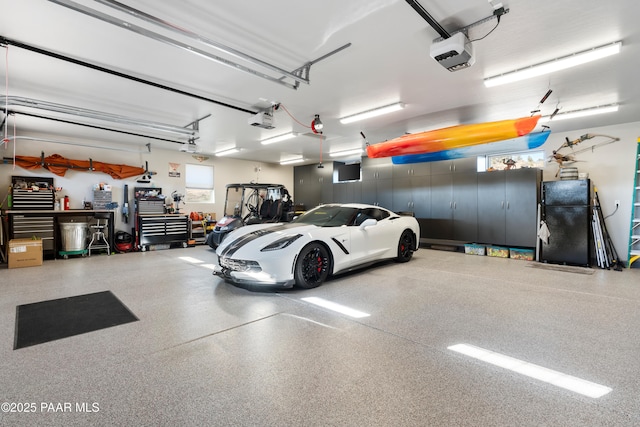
x,y
405,246
312,266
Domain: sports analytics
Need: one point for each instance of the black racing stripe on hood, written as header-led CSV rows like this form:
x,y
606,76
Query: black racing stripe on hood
x,y
250,237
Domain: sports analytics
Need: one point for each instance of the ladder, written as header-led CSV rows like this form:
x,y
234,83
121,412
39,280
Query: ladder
x,y
634,233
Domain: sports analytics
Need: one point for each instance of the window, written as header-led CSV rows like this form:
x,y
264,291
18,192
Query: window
x,y
526,159
199,184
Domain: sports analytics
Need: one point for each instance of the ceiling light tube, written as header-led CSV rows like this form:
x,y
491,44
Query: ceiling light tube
x,y
226,152
292,161
601,109
279,138
346,153
554,65
372,113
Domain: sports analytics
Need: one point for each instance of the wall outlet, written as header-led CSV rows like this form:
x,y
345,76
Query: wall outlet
x,y
617,203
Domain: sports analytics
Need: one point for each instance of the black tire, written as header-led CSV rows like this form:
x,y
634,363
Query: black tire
x,y
312,266
405,246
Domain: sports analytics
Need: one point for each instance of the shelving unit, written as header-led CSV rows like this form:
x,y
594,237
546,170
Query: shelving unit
x,y
634,229
200,229
197,232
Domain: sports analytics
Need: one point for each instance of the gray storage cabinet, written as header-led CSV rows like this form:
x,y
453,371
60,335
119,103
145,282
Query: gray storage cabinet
x,y
507,207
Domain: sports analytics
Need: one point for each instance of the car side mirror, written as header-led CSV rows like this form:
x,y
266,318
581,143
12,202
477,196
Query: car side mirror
x,y
368,222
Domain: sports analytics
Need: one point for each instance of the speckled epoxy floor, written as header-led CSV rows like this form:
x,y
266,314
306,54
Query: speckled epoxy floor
x,y
207,353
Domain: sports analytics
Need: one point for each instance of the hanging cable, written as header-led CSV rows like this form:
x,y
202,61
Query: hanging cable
x,y
497,13
290,115
14,142
6,94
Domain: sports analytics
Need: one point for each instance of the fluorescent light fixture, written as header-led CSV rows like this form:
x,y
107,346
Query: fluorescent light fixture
x,y
568,382
321,302
227,151
346,153
601,109
292,161
372,113
554,65
279,138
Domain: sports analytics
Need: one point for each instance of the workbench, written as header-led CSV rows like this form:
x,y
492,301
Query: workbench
x,y
45,224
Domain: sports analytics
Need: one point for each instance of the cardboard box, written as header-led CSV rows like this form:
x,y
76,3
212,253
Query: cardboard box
x,y
25,253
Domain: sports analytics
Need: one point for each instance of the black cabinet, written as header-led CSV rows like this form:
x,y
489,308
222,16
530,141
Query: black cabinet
x,y
440,224
162,229
347,192
450,198
507,207
465,165
412,194
412,189
454,211
312,185
377,182
465,206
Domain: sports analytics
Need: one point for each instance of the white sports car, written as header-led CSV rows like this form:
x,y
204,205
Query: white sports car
x,y
326,240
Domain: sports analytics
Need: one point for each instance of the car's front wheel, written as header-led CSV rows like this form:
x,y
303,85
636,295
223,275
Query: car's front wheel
x,y
312,266
405,246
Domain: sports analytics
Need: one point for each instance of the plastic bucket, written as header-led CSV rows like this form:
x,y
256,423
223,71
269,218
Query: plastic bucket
x,y
73,236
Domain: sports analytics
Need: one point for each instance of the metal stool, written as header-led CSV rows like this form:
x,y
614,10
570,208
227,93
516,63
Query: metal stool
x,y
99,237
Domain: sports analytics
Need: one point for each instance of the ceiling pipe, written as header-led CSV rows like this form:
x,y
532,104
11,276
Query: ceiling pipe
x,y
17,101
158,37
70,122
9,42
427,17
57,141
216,45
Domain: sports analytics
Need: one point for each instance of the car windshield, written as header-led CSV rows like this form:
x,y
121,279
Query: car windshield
x,y
328,216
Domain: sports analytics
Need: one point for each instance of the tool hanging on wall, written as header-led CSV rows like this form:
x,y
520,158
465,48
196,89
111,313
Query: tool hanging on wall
x,y
59,165
125,205
561,159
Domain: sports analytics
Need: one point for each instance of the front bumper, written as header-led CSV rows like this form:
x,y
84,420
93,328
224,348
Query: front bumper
x,y
255,276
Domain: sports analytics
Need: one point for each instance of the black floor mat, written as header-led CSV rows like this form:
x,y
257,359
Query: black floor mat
x,y
51,320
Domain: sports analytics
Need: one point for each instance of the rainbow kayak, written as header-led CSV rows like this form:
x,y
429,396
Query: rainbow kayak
x,y
522,143
453,137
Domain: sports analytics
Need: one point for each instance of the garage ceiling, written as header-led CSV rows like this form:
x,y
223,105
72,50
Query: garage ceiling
x,y
384,59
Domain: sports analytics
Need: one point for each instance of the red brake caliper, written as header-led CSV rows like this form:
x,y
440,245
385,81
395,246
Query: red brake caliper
x,y
319,264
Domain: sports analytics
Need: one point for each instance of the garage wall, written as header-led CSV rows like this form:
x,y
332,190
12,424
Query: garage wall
x,y
78,184
611,169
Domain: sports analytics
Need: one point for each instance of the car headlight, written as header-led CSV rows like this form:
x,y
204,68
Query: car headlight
x,y
239,264
281,243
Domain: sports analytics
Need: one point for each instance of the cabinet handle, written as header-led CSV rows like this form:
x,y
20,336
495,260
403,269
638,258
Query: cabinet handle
x,y
502,205
455,205
507,204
